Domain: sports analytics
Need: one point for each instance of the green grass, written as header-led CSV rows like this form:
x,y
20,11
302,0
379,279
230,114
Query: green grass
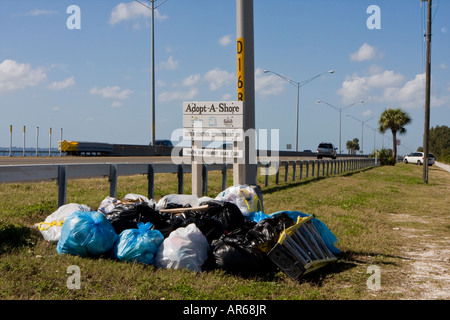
x,y
355,206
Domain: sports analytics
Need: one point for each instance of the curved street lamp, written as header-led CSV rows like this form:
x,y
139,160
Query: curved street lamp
x,y
152,8
298,85
340,116
362,130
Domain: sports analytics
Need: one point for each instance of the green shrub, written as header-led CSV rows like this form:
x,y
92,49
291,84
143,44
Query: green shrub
x,y
385,157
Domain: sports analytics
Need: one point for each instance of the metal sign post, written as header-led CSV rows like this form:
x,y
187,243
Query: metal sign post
x,y
245,173
220,121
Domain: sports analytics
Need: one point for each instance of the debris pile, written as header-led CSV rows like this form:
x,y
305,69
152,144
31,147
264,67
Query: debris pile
x,y
230,232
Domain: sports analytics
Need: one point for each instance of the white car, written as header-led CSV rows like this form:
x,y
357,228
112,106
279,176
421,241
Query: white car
x,y
417,158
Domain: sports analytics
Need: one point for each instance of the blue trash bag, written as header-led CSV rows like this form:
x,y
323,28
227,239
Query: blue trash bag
x,y
86,234
140,245
257,216
327,236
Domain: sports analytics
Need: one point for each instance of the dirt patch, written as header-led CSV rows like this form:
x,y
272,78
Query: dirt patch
x,y
427,261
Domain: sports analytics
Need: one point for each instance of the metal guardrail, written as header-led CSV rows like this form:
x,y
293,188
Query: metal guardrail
x,y
301,169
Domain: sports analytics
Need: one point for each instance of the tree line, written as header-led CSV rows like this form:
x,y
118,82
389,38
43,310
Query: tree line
x,y
440,143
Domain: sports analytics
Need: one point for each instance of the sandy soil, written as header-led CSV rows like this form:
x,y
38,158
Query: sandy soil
x,y
427,260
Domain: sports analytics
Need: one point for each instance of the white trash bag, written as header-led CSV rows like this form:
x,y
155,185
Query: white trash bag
x,y
177,201
109,203
51,227
184,248
244,197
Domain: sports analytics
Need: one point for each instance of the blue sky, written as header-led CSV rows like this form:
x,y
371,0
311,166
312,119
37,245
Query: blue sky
x,y
95,82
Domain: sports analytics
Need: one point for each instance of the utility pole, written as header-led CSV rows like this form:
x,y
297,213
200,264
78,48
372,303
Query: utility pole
x,y
153,72
426,138
246,173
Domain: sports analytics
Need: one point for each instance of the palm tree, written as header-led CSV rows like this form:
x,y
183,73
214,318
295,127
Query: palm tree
x,y
352,146
395,120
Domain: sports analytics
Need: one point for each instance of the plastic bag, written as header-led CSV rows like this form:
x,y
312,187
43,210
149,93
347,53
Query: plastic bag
x,y
325,233
229,215
245,250
141,244
86,234
220,217
127,215
243,196
171,201
185,248
109,203
50,228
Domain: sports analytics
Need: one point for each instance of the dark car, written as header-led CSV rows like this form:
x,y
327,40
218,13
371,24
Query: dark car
x,y
166,143
326,149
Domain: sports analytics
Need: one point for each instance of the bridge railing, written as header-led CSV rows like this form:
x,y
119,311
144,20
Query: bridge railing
x,y
293,171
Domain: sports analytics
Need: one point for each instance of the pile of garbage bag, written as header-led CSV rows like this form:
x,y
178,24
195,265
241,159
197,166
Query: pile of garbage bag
x,y
230,232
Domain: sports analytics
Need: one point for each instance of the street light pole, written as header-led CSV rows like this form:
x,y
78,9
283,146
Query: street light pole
x,y
340,116
298,85
152,8
362,130
153,72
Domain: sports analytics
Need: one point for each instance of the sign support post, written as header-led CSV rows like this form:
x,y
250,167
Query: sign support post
x,y
219,121
245,173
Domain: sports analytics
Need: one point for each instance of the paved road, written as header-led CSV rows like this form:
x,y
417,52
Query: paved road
x,y
443,166
78,160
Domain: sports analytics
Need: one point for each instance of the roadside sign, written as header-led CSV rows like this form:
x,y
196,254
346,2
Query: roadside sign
x,y
213,120
213,153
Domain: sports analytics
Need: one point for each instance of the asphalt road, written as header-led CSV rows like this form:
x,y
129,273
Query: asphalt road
x,y
79,160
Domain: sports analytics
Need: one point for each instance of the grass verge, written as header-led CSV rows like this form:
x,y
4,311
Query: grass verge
x,y
360,208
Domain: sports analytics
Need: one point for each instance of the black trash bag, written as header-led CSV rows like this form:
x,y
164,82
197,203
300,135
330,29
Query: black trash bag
x,y
128,215
210,227
220,217
229,215
244,250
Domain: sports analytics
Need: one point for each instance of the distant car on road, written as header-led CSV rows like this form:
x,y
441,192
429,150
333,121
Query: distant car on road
x,y
326,149
166,143
417,158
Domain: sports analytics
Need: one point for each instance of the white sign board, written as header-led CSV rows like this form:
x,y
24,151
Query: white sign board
x,y
213,120
213,153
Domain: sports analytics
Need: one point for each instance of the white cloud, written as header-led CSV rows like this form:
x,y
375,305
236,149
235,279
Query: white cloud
x,y
226,97
170,64
191,80
116,104
218,78
225,40
38,12
357,87
15,76
131,11
388,87
385,79
412,92
178,95
62,84
365,52
269,84
111,92
367,113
